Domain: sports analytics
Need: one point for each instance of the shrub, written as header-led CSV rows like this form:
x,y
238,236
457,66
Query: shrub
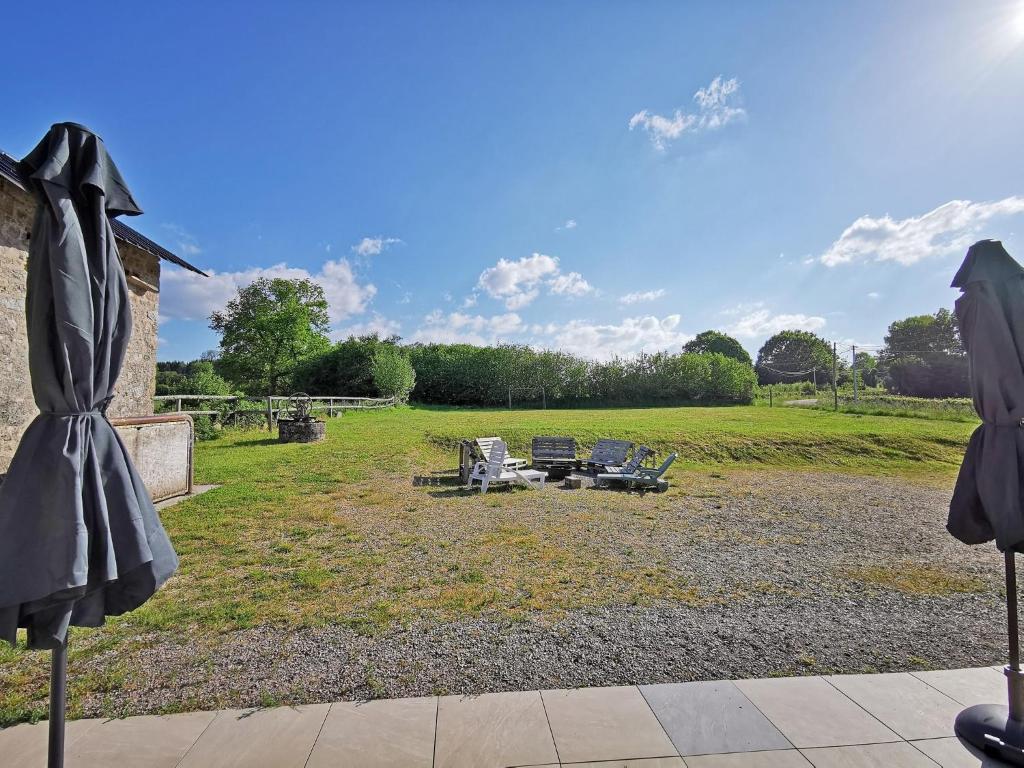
x,y
392,373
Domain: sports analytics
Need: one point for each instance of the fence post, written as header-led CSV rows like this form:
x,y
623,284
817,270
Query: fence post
x,y
769,395
510,398
543,398
835,374
179,405
270,413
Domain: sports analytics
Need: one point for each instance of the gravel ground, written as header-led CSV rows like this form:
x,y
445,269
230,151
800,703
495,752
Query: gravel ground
x,y
804,574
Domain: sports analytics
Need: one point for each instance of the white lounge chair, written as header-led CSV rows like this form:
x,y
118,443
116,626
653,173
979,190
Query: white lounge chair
x,y
494,471
486,444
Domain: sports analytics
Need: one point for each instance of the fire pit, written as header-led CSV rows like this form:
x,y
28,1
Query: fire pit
x,y
298,425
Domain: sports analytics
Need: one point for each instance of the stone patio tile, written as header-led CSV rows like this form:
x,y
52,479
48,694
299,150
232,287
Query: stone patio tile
x,y
644,762
612,723
982,685
811,713
150,741
788,758
391,733
25,745
908,706
710,717
494,729
953,753
258,738
899,755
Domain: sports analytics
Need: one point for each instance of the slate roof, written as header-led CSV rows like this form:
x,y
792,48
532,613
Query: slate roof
x,y
11,170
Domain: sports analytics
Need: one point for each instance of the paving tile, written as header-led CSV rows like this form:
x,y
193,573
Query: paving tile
x,y
982,685
899,755
494,729
953,753
151,741
605,724
25,745
788,758
258,738
908,706
811,713
644,762
391,733
711,717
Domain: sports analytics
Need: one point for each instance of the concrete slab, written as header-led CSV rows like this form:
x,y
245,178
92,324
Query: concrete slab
x,y
899,755
493,729
25,745
906,705
150,741
604,724
953,753
982,685
811,713
788,758
711,717
392,733
197,490
258,738
646,762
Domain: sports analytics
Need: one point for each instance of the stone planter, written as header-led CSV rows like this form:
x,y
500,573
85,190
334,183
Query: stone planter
x,y
300,430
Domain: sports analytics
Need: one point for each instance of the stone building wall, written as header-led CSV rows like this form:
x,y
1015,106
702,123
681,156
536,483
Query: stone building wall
x,y
135,388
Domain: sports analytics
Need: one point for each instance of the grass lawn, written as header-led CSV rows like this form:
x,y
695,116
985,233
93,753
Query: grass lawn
x,y
366,529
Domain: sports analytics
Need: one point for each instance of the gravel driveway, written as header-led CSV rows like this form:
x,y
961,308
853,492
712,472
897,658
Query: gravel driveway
x,y
809,573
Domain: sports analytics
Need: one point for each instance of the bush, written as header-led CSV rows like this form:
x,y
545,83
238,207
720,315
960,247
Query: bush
x,y
392,373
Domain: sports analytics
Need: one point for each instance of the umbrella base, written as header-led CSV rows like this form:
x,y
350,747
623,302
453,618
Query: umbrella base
x,y
989,728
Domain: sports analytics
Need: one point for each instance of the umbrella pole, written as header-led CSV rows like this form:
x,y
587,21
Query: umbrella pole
x,y
58,697
993,728
1014,681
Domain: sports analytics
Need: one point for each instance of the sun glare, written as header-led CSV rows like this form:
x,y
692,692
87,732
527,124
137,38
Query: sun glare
x,y
1017,23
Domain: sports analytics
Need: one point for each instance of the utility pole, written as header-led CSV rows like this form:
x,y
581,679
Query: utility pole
x,y
854,373
835,372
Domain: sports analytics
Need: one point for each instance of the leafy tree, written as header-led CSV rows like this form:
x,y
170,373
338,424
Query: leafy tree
x,y
267,330
716,342
924,357
790,356
392,373
867,370
344,369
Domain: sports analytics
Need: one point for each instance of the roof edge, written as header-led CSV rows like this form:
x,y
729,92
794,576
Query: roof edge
x,y
10,169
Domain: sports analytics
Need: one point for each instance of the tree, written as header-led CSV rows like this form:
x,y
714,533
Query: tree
x,y
267,330
344,369
712,342
392,373
790,356
867,370
924,357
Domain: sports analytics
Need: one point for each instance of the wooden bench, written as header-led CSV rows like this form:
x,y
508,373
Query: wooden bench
x,y
555,454
608,453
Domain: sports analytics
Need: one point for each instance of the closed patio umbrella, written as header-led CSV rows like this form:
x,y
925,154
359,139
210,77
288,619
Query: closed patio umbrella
x,y
79,537
987,502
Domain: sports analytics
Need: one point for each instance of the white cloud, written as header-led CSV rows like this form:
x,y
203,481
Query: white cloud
x,y
628,337
518,282
569,224
469,301
640,296
188,296
874,295
754,321
373,246
459,327
570,284
948,229
716,108
377,324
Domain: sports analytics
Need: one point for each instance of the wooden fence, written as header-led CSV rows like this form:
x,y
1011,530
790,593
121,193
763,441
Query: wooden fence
x,y
270,407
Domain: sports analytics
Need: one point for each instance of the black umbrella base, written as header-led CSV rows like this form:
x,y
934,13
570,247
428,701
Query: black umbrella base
x,y
989,728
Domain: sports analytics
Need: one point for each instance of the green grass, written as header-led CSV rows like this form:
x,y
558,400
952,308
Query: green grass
x,y
340,533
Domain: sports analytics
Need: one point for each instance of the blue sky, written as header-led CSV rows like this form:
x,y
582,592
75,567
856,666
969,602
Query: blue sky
x,y
592,176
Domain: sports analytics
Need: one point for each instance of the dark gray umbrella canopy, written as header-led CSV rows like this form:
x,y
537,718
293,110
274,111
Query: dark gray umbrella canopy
x,y
79,537
988,501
